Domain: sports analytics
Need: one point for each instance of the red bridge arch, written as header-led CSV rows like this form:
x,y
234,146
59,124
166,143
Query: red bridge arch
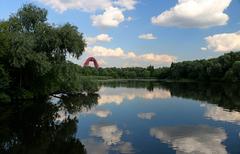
x,y
91,59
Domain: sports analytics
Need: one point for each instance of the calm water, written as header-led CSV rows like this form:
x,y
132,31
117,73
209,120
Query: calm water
x,y
128,117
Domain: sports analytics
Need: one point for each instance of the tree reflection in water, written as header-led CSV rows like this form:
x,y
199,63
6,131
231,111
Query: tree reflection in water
x,y
30,127
223,95
226,96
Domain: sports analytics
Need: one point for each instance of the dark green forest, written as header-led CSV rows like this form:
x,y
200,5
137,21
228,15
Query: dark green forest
x,y
224,68
33,56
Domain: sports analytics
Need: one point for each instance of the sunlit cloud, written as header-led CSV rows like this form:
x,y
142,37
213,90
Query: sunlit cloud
x,y
131,55
111,11
194,14
89,6
127,4
192,139
225,42
85,5
121,55
102,62
111,17
157,58
100,51
98,39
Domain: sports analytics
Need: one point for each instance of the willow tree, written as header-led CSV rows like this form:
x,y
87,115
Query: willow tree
x,y
31,48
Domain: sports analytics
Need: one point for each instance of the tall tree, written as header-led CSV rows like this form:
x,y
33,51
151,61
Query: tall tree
x,y
31,48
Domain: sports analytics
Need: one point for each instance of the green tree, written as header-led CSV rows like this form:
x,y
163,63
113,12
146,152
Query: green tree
x,y
151,70
233,74
33,53
146,74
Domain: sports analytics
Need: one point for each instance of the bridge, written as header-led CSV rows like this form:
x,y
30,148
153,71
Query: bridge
x,y
91,59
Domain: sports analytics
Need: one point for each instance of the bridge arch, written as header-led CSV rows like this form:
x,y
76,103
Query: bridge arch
x,y
91,59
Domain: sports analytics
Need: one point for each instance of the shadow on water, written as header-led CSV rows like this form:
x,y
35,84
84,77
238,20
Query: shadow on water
x,y
41,127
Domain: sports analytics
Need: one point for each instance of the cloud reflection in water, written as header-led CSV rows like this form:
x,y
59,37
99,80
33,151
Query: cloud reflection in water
x,y
192,139
117,95
110,136
220,114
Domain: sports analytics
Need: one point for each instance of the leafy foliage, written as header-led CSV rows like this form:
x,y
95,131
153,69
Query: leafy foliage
x,y
33,55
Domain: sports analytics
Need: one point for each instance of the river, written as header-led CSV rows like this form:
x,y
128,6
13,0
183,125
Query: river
x,y
145,117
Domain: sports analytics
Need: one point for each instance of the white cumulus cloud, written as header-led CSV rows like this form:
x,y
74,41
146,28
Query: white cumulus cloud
x,y
194,14
102,62
148,36
106,52
157,58
85,5
224,42
112,10
111,17
98,38
128,4
131,55
100,51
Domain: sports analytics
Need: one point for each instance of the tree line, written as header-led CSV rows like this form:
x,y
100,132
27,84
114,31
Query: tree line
x,y
224,68
123,73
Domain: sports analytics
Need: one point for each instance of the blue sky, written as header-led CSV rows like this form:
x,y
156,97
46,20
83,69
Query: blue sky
x,y
142,32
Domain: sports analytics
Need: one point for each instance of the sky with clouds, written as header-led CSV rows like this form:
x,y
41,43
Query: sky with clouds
x,y
126,33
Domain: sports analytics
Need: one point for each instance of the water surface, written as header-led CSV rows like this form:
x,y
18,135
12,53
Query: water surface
x,y
154,118
130,117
